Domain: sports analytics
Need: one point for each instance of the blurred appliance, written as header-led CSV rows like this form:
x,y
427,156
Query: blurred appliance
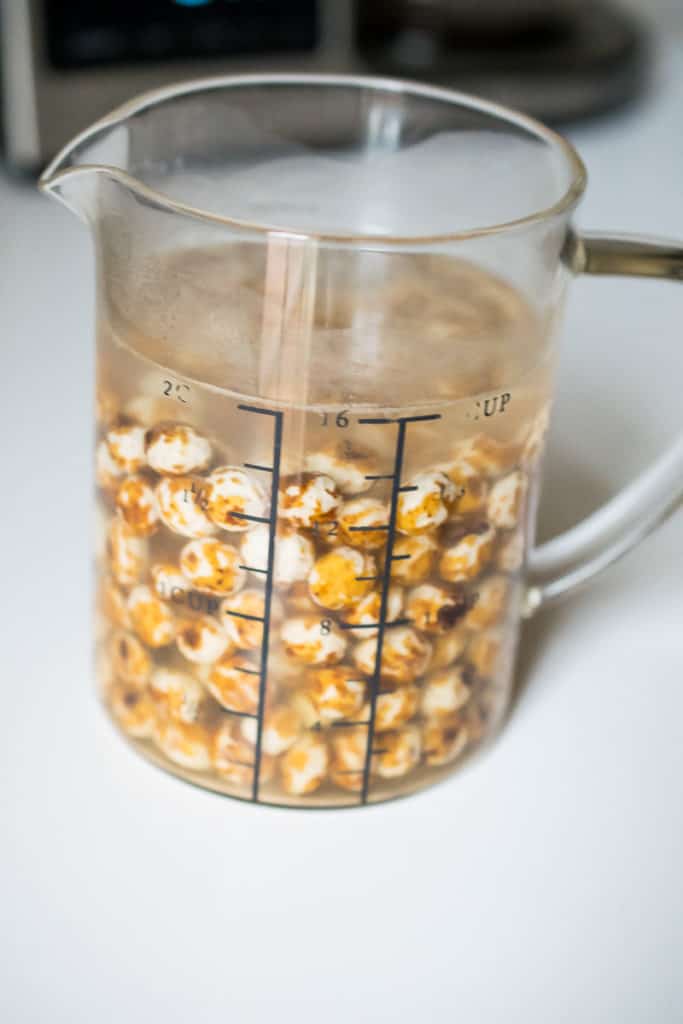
x,y
67,62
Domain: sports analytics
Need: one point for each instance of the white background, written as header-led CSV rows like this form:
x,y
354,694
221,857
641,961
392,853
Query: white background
x,y
542,884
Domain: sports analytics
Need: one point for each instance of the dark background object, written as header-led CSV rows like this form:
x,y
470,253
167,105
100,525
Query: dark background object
x,y
67,62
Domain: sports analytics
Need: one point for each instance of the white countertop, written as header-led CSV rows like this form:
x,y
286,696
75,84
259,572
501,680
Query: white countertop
x,y
542,884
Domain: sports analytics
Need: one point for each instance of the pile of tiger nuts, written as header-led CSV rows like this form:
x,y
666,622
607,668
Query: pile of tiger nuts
x,y
182,600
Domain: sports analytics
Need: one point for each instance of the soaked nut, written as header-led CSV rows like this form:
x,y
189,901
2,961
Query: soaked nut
x,y
366,613
347,465
335,693
510,553
176,449
228,494
304,766
137,505
281,729
202,640
232,758
107,472
169,583
242,618
488,456
349,747
212,567
397,753
434,609
483,652
341,578
490,603
356,519
506,500
133,709
468,550
126,445
444,740
444,692
471,489
405,655
413,559
180,695
308,499
395,708
299,600
186,744
130,661
127,553
180,506
234,682
534,442
112,603
294,554
425,507
313,641
151,619
448,648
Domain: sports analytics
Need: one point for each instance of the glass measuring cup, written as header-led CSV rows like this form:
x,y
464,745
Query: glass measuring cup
x,y
326,319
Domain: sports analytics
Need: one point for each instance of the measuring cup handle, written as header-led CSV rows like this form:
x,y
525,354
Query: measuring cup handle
x,y
559,566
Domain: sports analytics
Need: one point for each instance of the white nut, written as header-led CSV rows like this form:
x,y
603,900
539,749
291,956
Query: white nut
x,y
212,567
177,449
308,499
444,692
405,655
444,740
180,695
434,609
469,550
133,709
510,553
356,519
347,466
129,659
127,552
234,682
180,506
304,766
294,555
366,613
202,640
426,506
137,505
413,559
335,693
281,729
341,578
313,641
151,619
126,446
399,752
228,494
506,500
186,744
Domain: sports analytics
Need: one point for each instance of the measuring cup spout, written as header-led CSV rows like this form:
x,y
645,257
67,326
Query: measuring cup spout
x,y
73,176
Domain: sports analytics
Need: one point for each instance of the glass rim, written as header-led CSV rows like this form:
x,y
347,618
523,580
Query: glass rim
x,y
56,171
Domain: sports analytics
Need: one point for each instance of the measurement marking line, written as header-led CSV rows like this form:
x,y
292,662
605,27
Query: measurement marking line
x,y
268,598
248,672
347,725
241,615
260,412
419,419
399,558
365,579
408,487
386,581
375,625
245,764
240,714
368,529
254,465
250,568
380,750
250,519
377,419
379,476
